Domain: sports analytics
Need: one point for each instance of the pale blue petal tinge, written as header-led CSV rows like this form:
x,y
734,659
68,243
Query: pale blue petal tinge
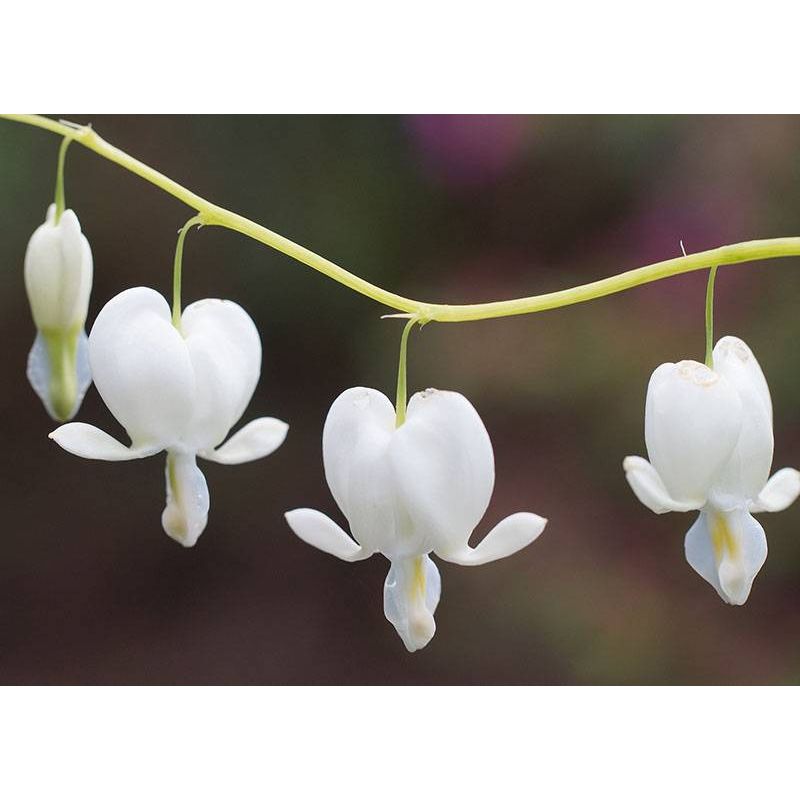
x,y
60,383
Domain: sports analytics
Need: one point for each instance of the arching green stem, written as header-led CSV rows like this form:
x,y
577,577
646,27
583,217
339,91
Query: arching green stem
x,y
59,198
712,274
177,270
433,312
402,393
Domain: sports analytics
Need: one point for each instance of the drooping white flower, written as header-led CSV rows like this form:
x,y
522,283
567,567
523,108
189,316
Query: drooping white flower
x,y
175,390
709,439
408,491
58,280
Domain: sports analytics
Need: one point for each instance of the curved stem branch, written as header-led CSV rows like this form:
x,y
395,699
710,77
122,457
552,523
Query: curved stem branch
x,y
425,312
177,270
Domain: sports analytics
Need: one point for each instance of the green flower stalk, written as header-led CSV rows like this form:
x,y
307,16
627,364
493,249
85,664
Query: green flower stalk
x,y
212,214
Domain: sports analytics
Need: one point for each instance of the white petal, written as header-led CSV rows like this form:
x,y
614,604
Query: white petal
x,y
141,367
692,421
355,441
320,531
735,360
410,596
443,466
186,512
225,351
779,493
58,371
649,488
727,549
506,538
257,439
58,273
87,441
748,467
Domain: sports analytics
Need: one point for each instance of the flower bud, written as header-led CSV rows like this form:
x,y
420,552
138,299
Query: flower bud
x,y
58,280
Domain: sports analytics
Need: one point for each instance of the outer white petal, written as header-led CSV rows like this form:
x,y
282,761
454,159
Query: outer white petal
x,y
257,439
443,466
692,421
649,488
61,386
141,367
186,513
87,441
410,596
225,351
355,442
320,531
748,468
506,538
727,549
780,492
58,273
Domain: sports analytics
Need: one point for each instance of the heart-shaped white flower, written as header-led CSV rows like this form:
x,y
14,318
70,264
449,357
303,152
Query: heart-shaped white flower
x,y
709,437
175,390
407,492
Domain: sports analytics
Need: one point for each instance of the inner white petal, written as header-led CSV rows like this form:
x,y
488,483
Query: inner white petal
x,y
410,596
186,512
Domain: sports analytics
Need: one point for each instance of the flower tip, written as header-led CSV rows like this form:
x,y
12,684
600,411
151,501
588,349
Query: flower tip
x,y
421,629
178,528
629,463
735,584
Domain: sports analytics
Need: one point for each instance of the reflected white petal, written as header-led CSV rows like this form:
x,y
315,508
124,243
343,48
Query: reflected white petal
x,y
506,538
87,441
320,531
649,488
257,439
780,492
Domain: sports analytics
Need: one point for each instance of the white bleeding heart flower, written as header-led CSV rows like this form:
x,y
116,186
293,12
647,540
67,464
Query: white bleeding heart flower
x,y
408,491
58,280
709,438
175,390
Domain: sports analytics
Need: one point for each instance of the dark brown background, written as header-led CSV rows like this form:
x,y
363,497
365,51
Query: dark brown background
x,y
451,209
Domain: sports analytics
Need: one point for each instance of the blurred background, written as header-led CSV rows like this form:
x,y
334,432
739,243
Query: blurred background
x,y
451,209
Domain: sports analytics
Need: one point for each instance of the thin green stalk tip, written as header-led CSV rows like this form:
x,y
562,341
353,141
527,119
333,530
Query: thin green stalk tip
x,y
177,270
402,393
59,195
712,274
